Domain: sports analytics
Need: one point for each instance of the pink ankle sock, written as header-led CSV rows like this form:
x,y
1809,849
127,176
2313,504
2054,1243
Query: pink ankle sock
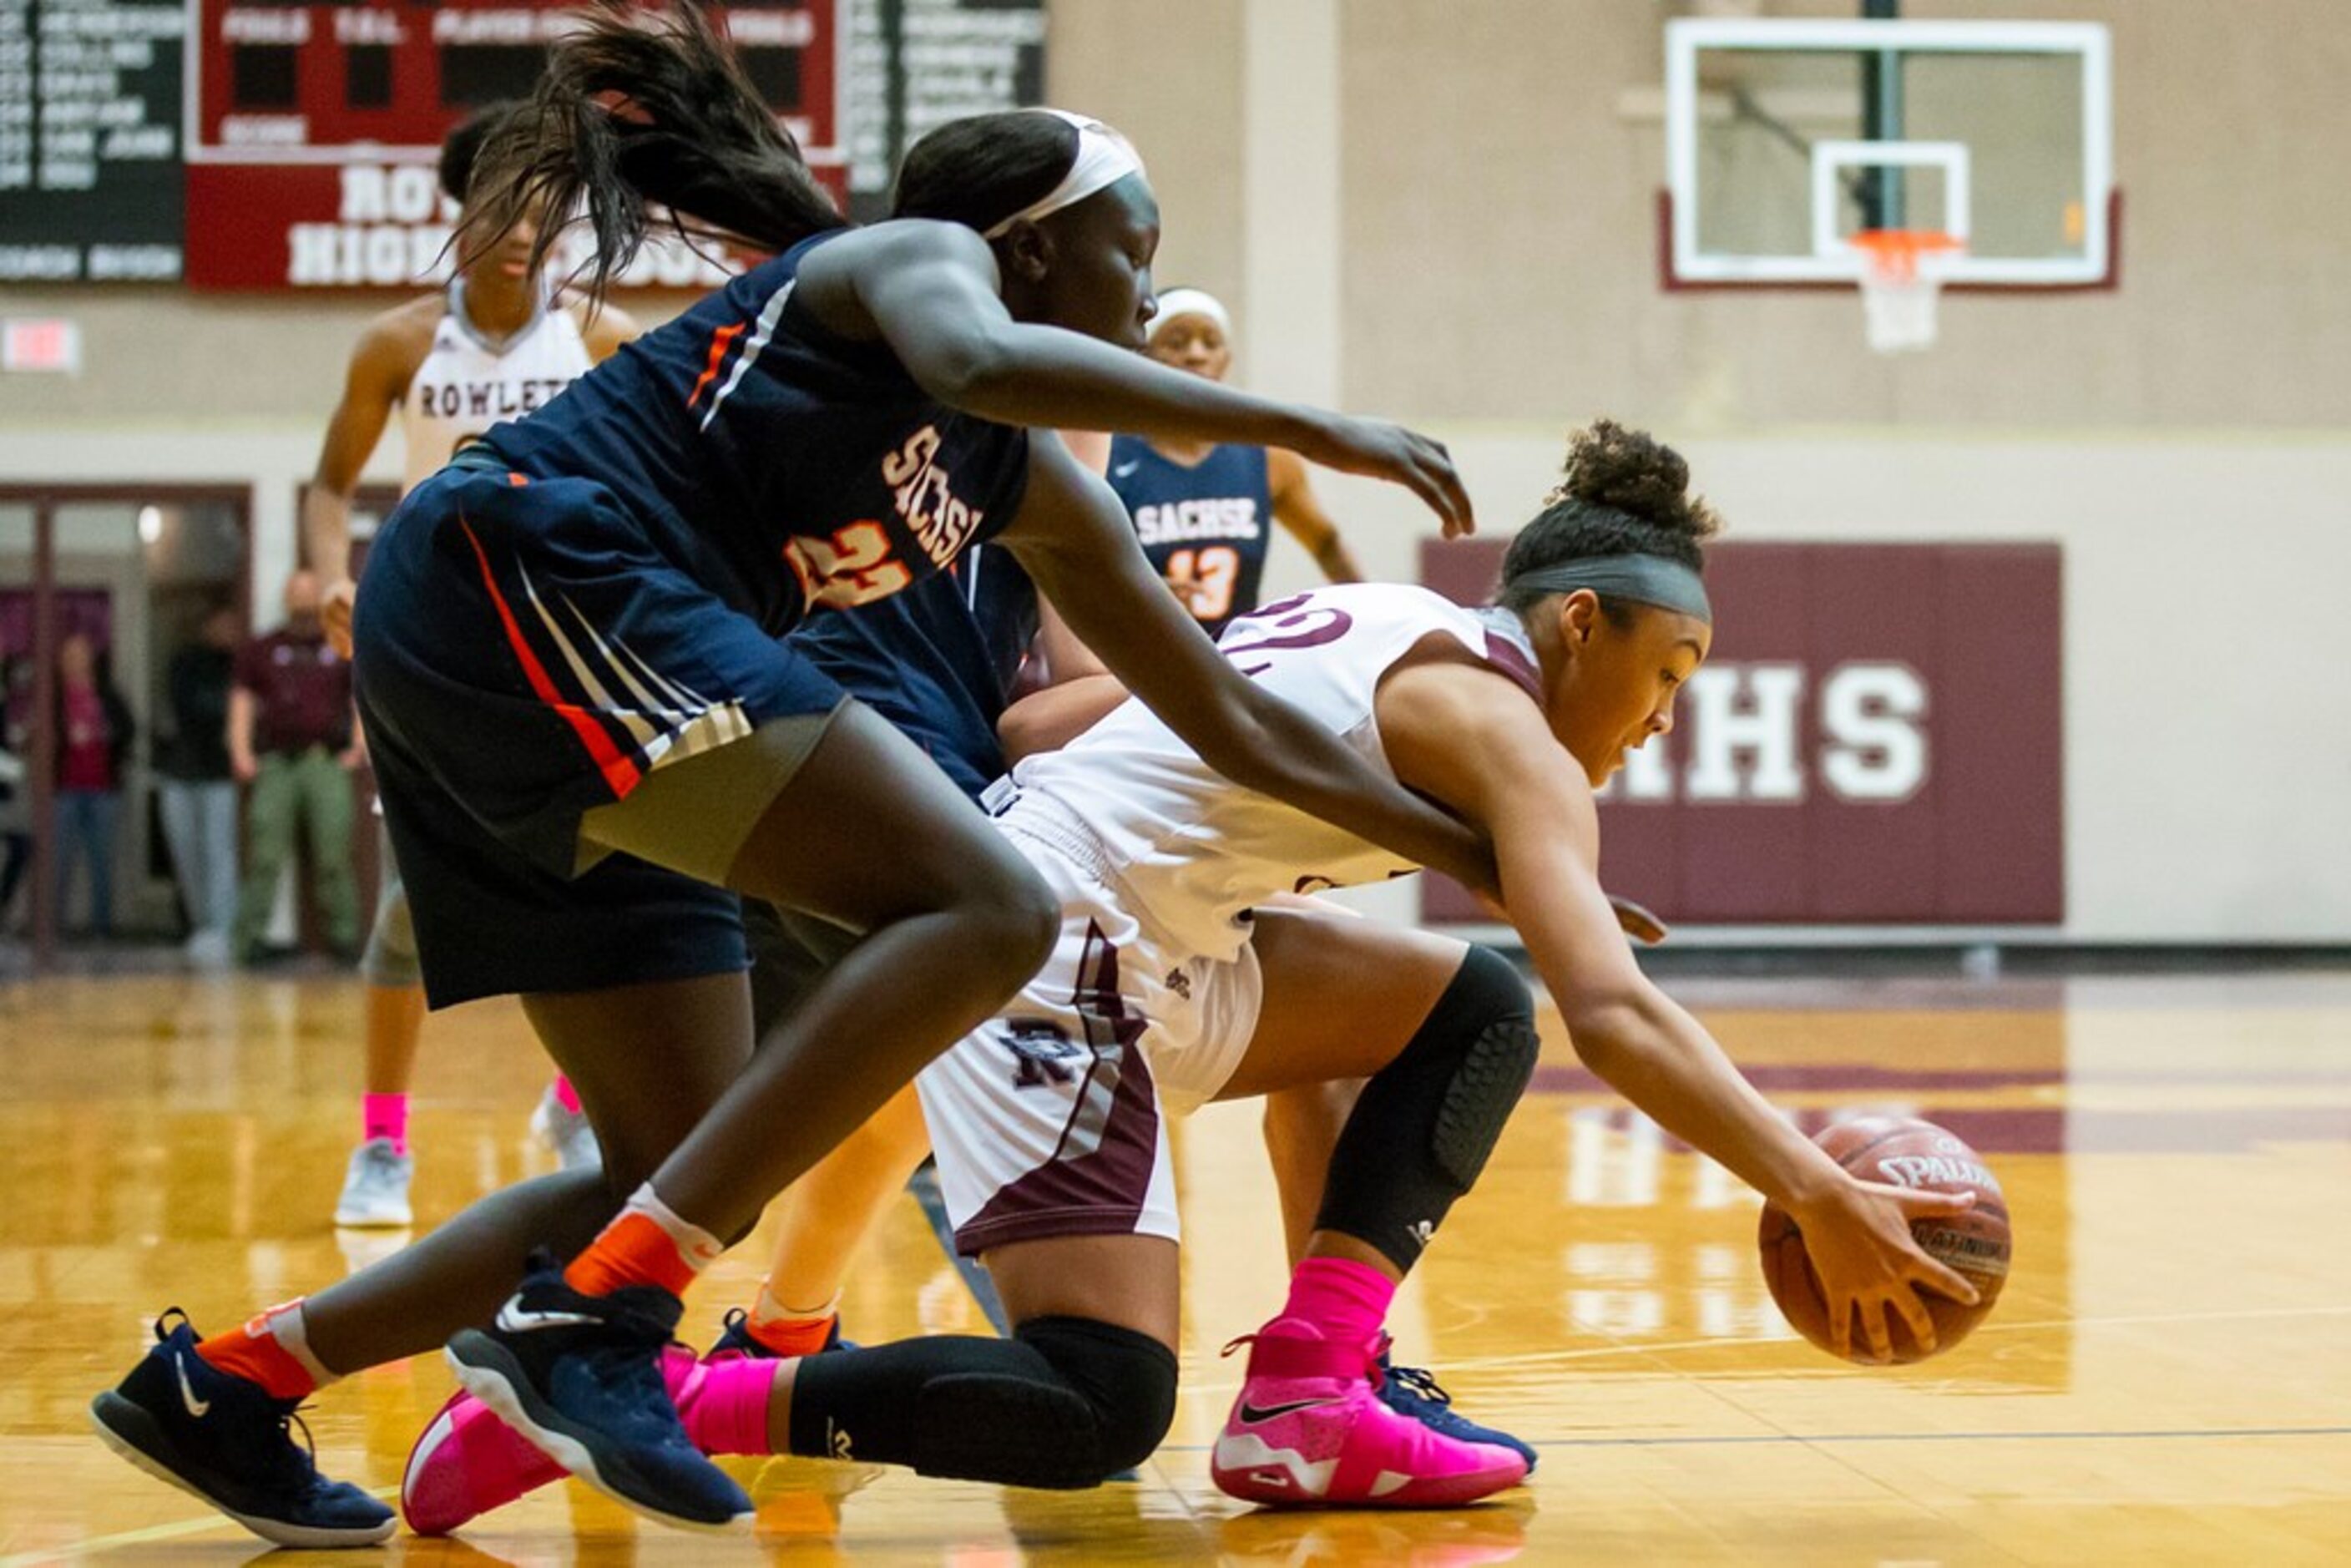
x,y
1346,1299
565,1095
385,1116
723,1405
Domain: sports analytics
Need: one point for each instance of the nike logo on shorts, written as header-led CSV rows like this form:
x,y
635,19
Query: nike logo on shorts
x,y
196,1408
1251,1415
514,1318
1123,469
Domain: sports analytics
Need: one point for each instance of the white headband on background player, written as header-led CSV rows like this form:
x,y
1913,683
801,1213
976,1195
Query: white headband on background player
x,y
1105,158
1188,302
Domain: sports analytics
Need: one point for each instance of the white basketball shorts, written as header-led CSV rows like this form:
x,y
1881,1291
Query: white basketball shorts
x,y
1050,1119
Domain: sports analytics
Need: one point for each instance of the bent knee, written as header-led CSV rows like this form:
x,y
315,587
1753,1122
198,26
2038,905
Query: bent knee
x,y
1018,919
1127,1379
1490,986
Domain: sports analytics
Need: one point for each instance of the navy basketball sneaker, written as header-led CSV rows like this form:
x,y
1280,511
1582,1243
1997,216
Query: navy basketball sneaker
x,y
735,1340
579,1376
225,1439
1413,1391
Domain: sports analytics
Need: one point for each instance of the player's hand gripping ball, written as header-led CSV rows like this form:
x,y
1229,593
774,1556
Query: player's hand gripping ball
x,y
1901,1152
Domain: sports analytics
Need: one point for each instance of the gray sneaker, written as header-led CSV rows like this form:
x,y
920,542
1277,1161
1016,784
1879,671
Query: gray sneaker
x,y
566,1132
375,1188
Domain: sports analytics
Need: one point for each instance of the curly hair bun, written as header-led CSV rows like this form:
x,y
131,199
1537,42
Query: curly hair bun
x,y
1633,472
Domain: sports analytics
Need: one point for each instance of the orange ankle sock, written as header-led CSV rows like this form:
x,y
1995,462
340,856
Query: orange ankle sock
x,y
793,1336
254,1352
648,1244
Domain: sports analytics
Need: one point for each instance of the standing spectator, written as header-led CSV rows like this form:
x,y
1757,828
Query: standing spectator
x,y
16,839
199,792
94,730
290,736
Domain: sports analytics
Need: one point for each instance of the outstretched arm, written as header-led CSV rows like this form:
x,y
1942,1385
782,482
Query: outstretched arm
x,y
930,290
1073,538
1469,737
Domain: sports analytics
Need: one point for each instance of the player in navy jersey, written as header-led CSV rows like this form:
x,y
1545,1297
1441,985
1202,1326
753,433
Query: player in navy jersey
x,y
1203,510
591,740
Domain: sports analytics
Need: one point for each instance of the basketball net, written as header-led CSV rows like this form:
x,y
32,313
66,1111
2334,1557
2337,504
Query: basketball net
x,y
1901,277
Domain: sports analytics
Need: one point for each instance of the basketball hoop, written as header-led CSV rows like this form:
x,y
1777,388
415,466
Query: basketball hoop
x,y
1901,274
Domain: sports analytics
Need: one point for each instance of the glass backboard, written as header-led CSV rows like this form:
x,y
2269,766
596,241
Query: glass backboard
x,y
1784,139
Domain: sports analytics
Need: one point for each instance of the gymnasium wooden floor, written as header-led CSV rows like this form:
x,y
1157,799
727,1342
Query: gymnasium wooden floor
x,y
2167,1378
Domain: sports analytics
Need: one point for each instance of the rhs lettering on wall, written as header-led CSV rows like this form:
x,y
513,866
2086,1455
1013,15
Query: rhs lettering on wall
x,y
1877,738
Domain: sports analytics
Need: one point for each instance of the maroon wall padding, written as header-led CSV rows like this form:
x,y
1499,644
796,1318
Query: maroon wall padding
x,y
1978,840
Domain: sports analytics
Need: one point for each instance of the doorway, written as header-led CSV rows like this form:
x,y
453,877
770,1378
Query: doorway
x,y
133,570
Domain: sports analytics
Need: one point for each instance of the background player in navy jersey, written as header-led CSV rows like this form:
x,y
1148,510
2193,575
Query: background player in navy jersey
x,y
590,739
496,342
1202,509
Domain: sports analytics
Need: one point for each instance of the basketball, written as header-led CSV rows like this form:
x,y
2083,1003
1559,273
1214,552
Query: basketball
x,y
1901,1152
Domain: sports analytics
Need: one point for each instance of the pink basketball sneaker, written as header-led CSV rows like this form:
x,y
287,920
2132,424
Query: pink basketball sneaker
x,y
1309,1428
467,1461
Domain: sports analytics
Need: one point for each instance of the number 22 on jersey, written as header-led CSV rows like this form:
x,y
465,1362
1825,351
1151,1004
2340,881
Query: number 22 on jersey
x,y
852,568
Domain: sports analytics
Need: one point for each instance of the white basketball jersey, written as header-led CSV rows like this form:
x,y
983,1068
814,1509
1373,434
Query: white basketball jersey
x,y
1191,851
468,384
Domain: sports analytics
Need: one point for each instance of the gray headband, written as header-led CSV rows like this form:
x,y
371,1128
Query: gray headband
x,y
1643,579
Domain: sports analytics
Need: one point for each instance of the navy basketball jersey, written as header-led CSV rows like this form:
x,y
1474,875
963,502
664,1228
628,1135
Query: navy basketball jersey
x,y
1207,522
780,466
940,661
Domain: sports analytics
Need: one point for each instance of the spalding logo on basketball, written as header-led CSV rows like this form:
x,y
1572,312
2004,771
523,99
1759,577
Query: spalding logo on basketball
x,y
1901,1152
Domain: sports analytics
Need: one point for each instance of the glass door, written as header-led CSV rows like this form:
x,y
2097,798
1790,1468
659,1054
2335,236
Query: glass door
x,y
122,580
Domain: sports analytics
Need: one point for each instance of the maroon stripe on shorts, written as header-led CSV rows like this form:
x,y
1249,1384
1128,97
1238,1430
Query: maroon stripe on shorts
x,y
1099,1175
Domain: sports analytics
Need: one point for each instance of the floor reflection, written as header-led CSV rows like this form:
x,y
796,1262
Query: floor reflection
x,y
2162,1380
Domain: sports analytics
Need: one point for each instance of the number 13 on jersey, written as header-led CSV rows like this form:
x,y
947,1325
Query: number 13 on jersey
x,y
852,568
1204,579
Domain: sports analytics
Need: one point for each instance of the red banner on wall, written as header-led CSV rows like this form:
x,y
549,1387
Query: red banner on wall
x,y
1877,737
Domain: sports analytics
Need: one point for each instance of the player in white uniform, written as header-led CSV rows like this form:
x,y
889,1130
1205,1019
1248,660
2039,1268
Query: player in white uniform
x,y
494,345
1173,985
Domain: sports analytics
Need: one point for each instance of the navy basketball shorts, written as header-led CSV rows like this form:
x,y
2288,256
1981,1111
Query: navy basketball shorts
x,y
525,656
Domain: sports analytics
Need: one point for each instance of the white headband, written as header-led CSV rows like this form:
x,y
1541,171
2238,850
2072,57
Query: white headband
x,y
1188,302
1105,158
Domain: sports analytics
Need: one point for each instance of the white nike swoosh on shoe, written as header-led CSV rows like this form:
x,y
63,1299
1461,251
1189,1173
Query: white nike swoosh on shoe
x,y
514,1319
196,1408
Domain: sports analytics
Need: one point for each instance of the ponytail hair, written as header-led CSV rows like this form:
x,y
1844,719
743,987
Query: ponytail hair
x,y
1622,492
645,106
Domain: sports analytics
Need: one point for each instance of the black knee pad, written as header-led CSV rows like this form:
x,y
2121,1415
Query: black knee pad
x,y
1127,1380
1066,1403
1008,1429
1426,1123
1493,1064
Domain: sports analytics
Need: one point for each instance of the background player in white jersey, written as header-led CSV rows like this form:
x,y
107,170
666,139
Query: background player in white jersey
x,y
1172,985
494,344
1203,510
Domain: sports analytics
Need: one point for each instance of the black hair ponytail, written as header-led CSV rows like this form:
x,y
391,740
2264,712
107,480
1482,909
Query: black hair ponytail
x,y
645,106
1623,492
